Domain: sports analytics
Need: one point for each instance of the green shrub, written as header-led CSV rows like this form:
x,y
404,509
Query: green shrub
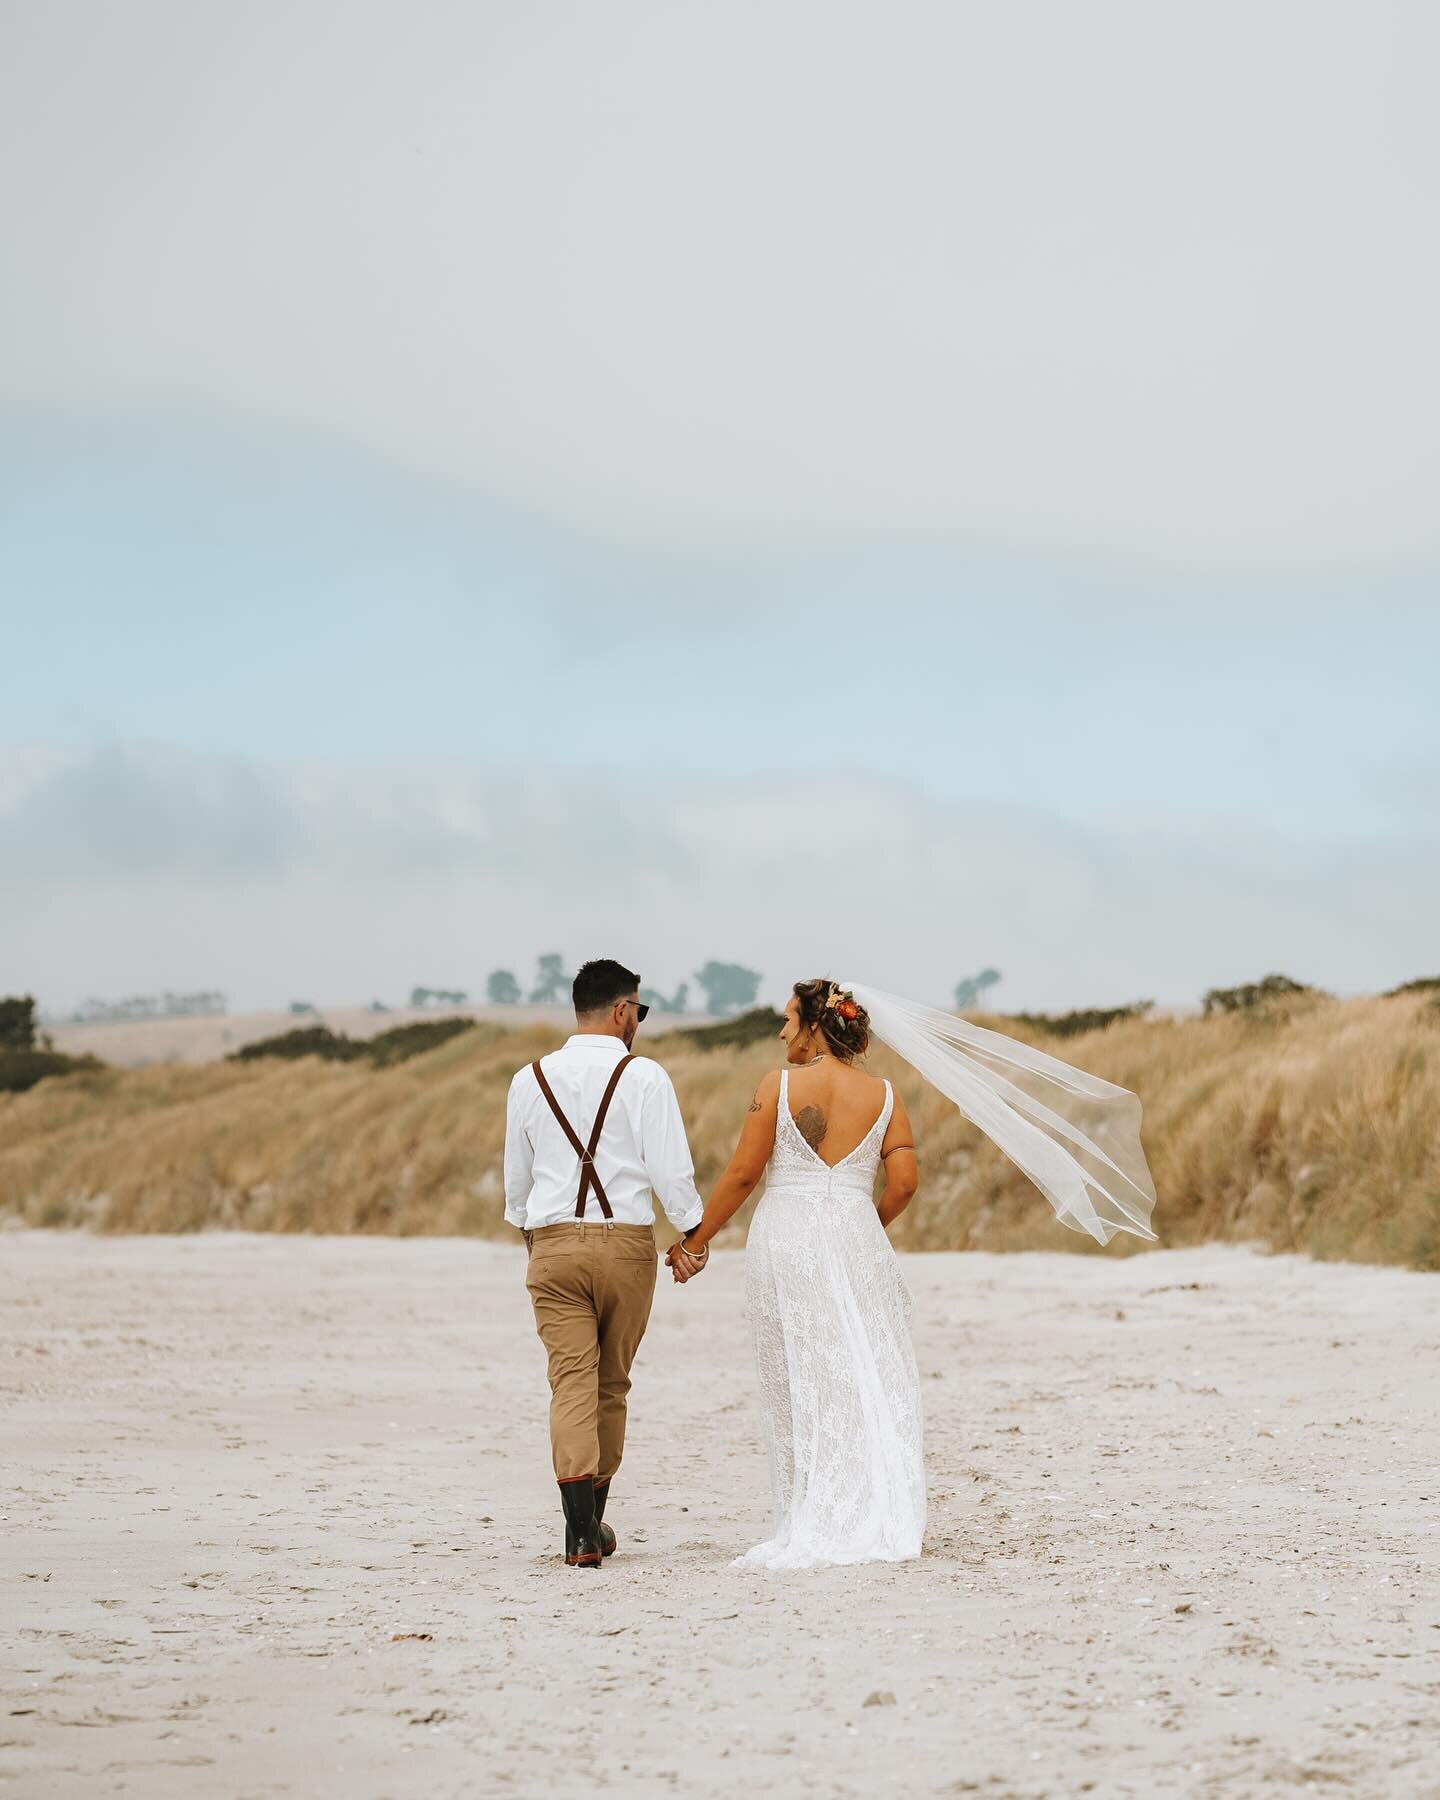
x,y
1094,1018
1254,993
305,1040
749,1028
406,1041
21,1069
388,1048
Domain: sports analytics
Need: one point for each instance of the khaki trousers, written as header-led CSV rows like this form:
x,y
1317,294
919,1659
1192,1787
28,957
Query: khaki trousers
x,y
591,1286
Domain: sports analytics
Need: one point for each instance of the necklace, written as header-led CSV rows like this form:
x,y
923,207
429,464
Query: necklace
x,y
814,1059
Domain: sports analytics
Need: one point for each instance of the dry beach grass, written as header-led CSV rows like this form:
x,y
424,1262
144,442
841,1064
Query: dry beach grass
x,y
1306,1126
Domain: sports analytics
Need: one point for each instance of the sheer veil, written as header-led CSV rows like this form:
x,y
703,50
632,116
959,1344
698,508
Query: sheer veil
x,y
1077,1137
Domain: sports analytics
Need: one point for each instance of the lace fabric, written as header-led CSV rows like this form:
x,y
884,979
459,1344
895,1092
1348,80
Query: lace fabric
x,y
839,1387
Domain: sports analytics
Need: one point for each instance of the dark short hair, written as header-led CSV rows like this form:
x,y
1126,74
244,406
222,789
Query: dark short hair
x,y
600,984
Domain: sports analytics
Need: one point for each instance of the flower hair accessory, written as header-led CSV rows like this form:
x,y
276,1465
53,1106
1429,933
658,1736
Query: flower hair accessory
x,y
841,1002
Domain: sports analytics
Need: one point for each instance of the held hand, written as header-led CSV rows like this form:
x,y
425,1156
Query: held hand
x,y
699,1254
685,1263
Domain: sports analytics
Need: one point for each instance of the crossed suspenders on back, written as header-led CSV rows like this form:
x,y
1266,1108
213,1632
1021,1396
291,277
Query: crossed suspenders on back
x,y
588,1178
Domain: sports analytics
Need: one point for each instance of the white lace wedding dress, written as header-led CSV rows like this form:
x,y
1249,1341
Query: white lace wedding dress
x,y
839,1388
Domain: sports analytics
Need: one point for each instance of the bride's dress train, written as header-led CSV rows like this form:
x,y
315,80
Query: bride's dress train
x,y
840,1391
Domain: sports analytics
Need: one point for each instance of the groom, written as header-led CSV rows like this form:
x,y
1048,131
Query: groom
x,y
590,1132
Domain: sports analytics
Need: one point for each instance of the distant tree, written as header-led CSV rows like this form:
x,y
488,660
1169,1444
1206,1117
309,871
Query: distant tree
x,y
378,1006
657,1002
968,991
301,1006
17,1022
728,987
552,984
422,996
502,989
206,1003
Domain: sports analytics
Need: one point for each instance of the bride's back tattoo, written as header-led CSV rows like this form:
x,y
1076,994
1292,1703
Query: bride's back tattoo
x,y
810,1122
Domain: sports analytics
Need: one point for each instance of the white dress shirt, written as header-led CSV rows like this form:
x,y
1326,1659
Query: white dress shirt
x,y
642,1150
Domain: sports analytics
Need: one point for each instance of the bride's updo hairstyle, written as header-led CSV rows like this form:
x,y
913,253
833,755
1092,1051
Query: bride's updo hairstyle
x,y
839,1017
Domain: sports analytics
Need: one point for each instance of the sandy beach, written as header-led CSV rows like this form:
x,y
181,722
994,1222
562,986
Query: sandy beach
x,y
279,1521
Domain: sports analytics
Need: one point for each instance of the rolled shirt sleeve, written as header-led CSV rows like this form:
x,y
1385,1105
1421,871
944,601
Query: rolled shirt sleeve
x,y
519,1156
666,1152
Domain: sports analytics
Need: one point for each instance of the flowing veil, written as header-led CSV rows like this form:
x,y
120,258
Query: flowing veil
x,y
1077,1137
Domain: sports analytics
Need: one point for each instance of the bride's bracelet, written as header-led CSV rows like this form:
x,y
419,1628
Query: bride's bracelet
x,y
700,1252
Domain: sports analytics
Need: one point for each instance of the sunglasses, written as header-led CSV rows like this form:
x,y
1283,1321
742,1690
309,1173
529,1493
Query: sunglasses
x,y
641,1010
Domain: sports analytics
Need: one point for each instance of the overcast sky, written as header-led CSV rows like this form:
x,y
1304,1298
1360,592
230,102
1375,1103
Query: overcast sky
x,y
1156,279
1009,430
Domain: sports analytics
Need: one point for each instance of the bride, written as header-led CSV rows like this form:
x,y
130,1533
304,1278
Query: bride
x,y
828,1305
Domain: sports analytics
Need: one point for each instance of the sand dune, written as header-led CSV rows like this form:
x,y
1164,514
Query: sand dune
x,y
280,1522
137,1043
1309,1128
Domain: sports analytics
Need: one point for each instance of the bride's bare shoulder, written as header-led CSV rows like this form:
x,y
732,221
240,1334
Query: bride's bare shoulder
x,y
836,1083
767,1095
827,1070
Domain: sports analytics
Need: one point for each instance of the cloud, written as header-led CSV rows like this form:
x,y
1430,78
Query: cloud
x,y
130,869
130,812
772,270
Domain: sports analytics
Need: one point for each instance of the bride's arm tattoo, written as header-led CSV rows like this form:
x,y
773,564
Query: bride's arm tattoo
x,y
755,1104
810,1122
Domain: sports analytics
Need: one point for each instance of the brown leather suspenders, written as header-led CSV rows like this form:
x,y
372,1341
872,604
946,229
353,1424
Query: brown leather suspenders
x,y
588,1178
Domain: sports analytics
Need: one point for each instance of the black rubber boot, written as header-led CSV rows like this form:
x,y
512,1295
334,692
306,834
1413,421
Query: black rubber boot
x,y
607,1536
582,1528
